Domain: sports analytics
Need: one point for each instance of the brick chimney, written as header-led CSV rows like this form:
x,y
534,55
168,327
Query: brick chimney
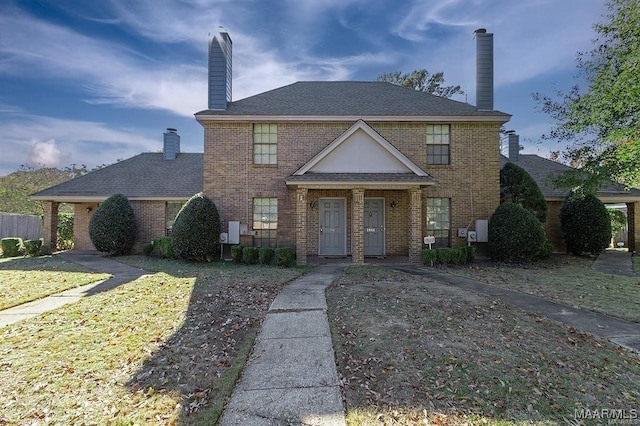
x,y
514,147
171,147
484,70
220,71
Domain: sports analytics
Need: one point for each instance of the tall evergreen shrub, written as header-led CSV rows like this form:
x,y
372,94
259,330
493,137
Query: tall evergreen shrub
x,y
196,230
112,227
518,187
515,235
586,224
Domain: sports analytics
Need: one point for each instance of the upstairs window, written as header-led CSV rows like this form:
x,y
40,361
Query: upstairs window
x,y
265,143
265,221
438,147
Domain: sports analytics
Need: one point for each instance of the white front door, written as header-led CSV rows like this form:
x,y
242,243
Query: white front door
x,y
373,227
333,241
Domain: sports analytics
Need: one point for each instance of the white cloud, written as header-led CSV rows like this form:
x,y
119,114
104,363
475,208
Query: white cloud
x,y
39,140
44,153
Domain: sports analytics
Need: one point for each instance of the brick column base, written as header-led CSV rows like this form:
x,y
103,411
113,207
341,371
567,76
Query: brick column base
x,y
50,226
301,226
357,226
415,224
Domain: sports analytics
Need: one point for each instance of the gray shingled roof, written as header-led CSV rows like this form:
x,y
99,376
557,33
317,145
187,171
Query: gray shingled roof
x,y
360,98
143,176
543,170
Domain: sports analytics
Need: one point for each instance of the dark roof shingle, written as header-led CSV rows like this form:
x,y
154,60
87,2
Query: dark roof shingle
x,y
543,171
360,98
146,175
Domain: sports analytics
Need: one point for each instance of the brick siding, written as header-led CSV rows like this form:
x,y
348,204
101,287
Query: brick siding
x,y
231,179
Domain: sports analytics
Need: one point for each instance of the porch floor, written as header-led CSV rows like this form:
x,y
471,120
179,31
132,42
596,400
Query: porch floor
x,y
347,260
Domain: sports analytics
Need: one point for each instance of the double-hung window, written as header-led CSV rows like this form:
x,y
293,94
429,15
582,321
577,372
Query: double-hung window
x,y
265,143
439,220
265,221
438,146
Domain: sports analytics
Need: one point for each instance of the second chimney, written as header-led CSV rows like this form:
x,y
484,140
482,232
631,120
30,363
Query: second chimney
x,y
514,147
220,71
171,147
484,70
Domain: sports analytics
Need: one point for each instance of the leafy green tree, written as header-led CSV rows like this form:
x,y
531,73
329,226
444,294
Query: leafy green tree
x,y
422,81
618,221
16,187
602,123
112,227
517,186
196,230
586,224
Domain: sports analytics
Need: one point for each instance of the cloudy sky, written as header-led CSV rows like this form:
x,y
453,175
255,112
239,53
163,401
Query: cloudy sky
x,y
90,82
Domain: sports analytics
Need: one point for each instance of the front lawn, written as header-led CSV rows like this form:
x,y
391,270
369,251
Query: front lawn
x,y
414,351
166,348
23,279
565,279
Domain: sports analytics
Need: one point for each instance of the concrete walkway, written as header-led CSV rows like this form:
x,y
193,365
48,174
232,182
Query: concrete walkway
x,y
614,262
93,260
291,377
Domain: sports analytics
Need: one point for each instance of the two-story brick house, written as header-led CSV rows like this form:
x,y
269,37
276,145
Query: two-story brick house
x,y
351,168
331,168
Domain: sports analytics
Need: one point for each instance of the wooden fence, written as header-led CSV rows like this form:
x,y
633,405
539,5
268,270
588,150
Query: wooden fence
x,y
27,227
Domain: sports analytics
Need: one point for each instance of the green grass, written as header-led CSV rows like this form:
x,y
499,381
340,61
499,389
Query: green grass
x,y
23,279
636,264
166,348
565,279
414,351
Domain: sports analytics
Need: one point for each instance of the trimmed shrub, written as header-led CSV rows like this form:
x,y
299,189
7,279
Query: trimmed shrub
x,y
448,256
250,255
32,247
518,187
284,257
586,224
65,231
515,234
429,256
196,230
112,227
147,249
265,255
236,253
12,247
163,247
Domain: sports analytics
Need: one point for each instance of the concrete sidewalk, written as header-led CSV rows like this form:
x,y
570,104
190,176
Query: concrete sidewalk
x,y
614,262
623,333
291,376
93,260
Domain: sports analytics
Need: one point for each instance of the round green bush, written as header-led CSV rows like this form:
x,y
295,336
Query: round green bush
x,y
518,187
112,227
196,230
250,255
32,247
515,234
265,255
586,224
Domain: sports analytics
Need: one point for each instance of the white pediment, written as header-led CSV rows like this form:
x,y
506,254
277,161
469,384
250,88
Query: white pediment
x,y
360,150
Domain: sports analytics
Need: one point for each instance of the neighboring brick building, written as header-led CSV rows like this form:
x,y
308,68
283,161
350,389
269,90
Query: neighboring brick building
x,y
543,171
331,168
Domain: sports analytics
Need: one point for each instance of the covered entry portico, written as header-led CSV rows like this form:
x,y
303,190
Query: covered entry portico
x,y
371,221
359,195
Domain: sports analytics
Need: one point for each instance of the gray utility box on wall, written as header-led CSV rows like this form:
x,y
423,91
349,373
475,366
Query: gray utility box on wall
x,y
482,230
234,232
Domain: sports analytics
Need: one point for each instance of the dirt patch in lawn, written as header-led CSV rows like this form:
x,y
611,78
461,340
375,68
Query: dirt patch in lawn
x,y
164,349
411,350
